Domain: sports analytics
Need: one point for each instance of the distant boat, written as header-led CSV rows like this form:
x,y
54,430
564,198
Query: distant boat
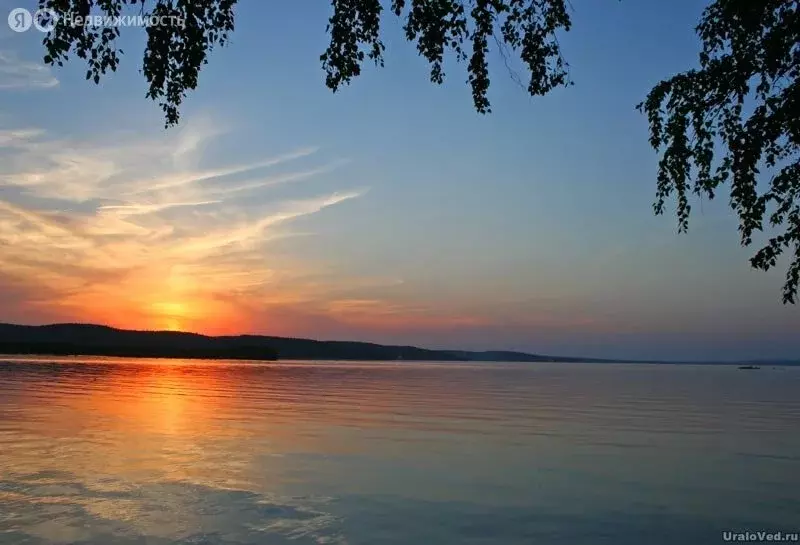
x,y
749,367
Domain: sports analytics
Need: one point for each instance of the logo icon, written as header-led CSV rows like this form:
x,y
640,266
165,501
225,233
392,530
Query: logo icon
x,y
45,20
20,19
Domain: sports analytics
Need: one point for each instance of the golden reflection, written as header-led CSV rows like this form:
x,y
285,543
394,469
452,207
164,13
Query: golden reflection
x,y
159,418
211,424
160,444
165,397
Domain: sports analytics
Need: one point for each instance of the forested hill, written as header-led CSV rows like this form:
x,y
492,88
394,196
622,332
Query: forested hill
x,y
98,340
87,339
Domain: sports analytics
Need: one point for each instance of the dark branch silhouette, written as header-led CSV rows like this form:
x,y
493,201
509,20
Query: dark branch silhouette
x,y
734,120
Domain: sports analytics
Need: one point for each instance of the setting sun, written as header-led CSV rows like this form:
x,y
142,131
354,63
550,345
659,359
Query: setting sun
x,y
173,324
172,314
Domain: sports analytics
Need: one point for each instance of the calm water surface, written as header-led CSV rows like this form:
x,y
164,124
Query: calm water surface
x,y
97,451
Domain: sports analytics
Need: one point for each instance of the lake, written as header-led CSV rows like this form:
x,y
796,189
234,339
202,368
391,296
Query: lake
x,y
114,451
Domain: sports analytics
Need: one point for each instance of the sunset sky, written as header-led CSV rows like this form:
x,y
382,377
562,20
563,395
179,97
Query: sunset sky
x,y
387,212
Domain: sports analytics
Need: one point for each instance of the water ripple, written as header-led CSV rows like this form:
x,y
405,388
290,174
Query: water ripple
x,y
96,450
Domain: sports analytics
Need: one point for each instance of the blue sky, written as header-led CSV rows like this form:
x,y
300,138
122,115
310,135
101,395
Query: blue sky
x,y
388,211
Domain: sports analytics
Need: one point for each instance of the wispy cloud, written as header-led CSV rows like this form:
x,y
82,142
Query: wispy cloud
x,y
147,233
281,179
190,177
19,74
127,234
136,209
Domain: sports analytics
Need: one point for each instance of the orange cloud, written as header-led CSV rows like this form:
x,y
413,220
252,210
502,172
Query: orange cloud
x,y
135,235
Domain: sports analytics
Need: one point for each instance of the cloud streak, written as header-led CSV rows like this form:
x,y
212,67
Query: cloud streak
x,y
126,234
146,233
18,74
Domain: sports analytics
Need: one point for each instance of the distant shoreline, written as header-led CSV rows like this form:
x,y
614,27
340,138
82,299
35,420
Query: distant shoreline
x,y
98,340
63,349
5,356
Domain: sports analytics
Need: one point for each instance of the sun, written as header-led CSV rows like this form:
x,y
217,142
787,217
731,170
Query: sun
x,y
173,324
170,316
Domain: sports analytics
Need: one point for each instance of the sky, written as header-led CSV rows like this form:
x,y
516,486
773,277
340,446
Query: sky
x,y
389,211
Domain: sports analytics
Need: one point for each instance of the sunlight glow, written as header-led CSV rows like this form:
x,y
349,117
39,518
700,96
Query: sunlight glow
x,y
173,324
141,234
